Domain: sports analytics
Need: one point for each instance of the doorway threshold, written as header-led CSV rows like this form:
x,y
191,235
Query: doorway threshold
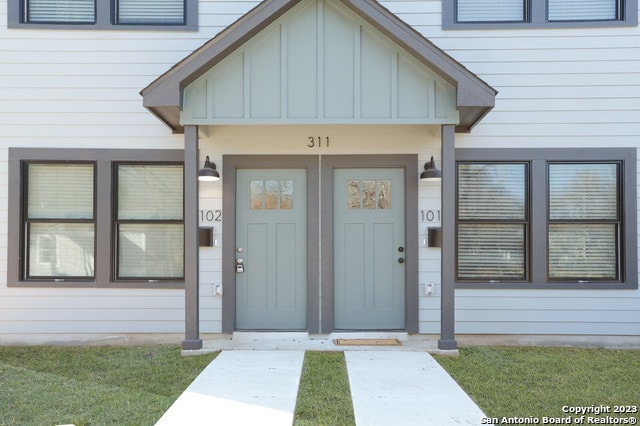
x,y
291,340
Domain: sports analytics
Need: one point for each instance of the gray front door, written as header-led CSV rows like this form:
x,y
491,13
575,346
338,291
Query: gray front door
x,y
369,249
271,241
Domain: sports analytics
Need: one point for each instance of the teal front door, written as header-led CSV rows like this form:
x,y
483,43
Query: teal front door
x,y
271,249
369,249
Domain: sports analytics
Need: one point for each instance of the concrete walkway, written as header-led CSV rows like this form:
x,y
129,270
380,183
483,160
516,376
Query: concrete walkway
x,y
406,388
241,388
251,387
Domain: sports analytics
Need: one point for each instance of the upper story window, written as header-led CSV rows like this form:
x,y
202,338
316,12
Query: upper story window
x,y
104,14
478,14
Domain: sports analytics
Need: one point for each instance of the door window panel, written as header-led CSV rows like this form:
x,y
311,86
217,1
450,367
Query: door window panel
x,y
271,194
369,194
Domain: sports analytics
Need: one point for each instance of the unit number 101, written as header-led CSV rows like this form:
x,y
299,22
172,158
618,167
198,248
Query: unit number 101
x,y
429,215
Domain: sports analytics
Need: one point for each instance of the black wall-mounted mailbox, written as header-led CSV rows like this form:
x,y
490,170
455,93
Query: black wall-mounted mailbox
x,y
435,236
205,236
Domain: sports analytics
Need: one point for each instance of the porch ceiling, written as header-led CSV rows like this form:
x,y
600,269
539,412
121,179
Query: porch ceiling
x,y
165,97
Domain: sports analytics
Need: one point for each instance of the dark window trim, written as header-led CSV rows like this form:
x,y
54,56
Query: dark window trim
x,y
536,17
539,159
103,158
105,19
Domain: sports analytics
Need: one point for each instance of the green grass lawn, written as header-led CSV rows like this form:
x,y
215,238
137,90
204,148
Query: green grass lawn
x,y
538,382
48,385
324,397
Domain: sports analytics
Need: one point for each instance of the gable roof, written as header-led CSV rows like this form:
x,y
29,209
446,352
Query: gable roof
x,y
164,96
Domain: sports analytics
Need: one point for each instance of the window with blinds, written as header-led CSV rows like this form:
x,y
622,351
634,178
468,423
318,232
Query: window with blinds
x,y
60,221
582,10
150,12
492,216
584,221
490,10
107,13
60,11
149,221
464,14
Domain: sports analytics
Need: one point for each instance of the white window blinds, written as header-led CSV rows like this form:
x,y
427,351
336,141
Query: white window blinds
x,y
582,10
60,191
60,228
150,231
169,12
490,11
583,221
492,221
60,11
150,192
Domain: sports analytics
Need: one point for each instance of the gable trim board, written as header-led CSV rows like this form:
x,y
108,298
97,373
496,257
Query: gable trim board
x,y
165,96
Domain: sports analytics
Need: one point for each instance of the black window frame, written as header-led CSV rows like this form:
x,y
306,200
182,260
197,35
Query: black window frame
x,y
117,221
538,249
104,160
536,16
526,222
27,222
105,18
618,221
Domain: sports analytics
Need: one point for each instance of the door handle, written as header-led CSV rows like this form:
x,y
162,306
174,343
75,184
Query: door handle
x,y
239,266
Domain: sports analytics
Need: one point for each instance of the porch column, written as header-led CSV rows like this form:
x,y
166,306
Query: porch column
x,y
447,300
192,339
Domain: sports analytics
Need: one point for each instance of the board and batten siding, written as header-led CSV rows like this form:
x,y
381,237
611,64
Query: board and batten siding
x,y
80,89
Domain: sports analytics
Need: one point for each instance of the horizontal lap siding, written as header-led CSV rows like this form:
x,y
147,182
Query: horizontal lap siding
x,y
81,89
557,88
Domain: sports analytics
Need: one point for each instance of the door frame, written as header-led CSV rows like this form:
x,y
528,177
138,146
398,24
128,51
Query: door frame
x,y
408,162
230,164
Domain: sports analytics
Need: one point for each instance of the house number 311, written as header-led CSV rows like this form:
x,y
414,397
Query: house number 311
x,y
318,142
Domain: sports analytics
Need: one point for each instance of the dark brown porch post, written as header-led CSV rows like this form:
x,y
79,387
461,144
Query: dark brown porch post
x,y
447,300
192,339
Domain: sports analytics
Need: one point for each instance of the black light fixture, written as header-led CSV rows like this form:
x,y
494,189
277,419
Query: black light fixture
x,y
431,172
208,172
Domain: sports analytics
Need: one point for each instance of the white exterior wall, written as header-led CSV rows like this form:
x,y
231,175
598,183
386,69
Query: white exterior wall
x,y
557,88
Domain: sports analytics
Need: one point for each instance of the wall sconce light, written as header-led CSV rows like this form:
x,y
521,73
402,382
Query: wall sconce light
x,y
208,172
431,172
